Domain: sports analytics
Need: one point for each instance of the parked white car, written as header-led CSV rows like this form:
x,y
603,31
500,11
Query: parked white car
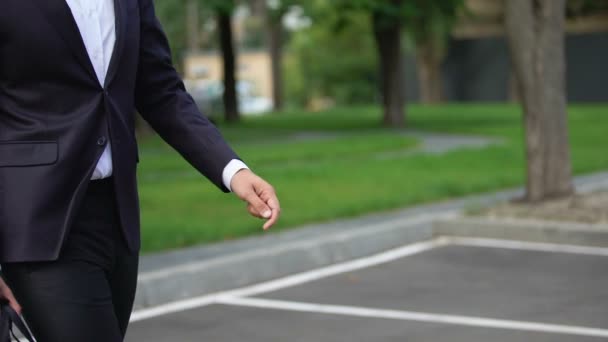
x,y
208,97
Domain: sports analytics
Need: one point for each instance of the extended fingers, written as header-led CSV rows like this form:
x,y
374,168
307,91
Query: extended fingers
x,y
262,201
269,208
275,207
257,207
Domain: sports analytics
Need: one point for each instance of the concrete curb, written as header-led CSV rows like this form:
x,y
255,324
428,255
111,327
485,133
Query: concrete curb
x,y
595,235
171,276
270,261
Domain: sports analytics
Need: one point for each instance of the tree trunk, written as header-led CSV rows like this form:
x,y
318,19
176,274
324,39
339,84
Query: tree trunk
x,y
428,62
535,30
231,109
192,25
551,51
275,47
387,33
513,88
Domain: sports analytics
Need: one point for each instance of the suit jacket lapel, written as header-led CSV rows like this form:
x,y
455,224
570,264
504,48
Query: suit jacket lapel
x,y
120,10
60,16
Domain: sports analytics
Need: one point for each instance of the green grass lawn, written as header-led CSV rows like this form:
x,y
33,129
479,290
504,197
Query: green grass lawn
x,y
325,166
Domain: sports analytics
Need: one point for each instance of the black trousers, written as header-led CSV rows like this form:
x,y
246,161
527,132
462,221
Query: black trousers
x,y
87,294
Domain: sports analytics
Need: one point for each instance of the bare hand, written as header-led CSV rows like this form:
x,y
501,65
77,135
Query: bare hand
x,y
262,201
7,294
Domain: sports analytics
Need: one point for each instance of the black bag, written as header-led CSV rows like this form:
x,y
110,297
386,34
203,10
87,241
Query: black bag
x,y
10,318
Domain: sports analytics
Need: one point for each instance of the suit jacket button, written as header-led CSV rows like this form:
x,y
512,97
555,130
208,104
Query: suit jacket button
x,y
101,141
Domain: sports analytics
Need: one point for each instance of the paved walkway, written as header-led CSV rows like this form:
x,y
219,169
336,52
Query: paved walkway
x,y
429,143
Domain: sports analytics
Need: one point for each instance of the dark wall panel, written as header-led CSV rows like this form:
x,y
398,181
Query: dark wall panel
x,y
478,70
587,57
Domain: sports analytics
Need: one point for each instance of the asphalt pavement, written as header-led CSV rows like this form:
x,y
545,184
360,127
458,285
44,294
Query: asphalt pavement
x,y
440,290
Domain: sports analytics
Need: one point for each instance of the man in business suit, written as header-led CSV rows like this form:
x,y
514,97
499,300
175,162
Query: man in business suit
x,y
72,72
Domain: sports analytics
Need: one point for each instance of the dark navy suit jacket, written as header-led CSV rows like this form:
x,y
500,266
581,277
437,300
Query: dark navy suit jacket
x,y
55,120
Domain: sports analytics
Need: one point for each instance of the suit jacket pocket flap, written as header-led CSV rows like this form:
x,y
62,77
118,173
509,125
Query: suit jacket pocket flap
x,y
27,153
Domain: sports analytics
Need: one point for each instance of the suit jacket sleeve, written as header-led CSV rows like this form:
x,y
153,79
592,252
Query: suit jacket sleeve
x,y
161,99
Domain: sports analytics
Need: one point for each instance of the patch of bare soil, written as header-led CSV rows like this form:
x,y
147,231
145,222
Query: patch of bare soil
x,y
583,208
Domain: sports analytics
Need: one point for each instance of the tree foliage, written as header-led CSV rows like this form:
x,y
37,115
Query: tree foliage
x,y
331,60
224,6
171,15
577,8
431,21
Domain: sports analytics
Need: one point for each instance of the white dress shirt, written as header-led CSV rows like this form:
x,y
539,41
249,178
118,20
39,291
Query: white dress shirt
x,y
96,23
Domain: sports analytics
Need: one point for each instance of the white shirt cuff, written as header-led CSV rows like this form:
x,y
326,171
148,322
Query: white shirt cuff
x,y
230,170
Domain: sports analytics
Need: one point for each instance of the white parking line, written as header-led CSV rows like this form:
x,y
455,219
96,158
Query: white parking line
x,y
344,267
289,281
173,307
234,296
528,246
414,316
